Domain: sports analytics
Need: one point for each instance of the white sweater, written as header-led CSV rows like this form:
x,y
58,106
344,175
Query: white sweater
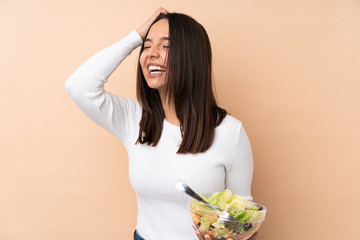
x,y
162,210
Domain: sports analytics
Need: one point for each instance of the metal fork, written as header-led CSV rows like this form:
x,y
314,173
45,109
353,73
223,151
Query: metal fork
x,y
227,219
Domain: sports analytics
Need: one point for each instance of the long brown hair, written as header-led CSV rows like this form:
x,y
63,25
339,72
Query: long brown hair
x,y
188,87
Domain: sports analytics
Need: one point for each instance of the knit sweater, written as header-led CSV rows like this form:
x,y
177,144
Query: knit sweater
x,y
163,211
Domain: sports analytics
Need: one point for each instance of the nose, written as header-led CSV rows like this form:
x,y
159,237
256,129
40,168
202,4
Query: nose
x,y
153,52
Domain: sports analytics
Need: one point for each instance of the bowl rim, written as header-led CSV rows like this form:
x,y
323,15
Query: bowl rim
x,y
263,208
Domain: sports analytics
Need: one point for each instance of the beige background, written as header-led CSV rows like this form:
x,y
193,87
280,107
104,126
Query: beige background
x,y
289,70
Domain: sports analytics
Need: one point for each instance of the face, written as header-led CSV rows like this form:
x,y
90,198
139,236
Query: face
x,y
153,58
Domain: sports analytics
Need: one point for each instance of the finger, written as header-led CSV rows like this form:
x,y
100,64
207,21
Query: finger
x,y
208,237
255,236
198,234
157,13
162,10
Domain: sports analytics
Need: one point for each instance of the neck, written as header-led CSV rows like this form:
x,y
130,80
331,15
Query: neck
x,y
169,110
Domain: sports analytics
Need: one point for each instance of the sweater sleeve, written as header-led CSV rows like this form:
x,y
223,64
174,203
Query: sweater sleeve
x,y
86,87
239,171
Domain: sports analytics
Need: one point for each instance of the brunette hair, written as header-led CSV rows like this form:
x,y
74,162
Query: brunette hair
x,y
188,87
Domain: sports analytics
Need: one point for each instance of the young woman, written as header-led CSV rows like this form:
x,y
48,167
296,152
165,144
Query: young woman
x,y
175,130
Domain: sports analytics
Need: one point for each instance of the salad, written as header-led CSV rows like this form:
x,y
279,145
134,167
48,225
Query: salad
x,y
207,221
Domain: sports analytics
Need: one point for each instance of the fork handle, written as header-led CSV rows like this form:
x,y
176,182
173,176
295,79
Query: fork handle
x,y
180,185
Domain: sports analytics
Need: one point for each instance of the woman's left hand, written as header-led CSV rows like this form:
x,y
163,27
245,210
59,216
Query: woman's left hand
x,y
208,237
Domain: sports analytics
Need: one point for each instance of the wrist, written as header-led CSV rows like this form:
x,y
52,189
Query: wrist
x,y
141,33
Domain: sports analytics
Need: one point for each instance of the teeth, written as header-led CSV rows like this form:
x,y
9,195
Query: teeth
x,y
156,68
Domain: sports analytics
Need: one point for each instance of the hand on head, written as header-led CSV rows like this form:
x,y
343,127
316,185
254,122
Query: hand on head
x,y
144,28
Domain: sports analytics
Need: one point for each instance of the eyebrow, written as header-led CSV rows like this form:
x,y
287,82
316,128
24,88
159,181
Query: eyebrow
x,y
162,39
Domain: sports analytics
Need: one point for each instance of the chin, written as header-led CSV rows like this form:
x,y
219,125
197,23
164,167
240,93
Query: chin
x,y
155,86
155,83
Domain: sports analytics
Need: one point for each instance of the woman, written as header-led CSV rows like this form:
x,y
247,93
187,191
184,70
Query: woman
x,y
175,131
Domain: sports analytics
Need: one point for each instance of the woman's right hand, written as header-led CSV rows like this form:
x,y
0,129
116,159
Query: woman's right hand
x,y
144,28
208,237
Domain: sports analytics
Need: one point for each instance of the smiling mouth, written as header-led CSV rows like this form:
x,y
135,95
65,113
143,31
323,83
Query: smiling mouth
x,y
156,69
